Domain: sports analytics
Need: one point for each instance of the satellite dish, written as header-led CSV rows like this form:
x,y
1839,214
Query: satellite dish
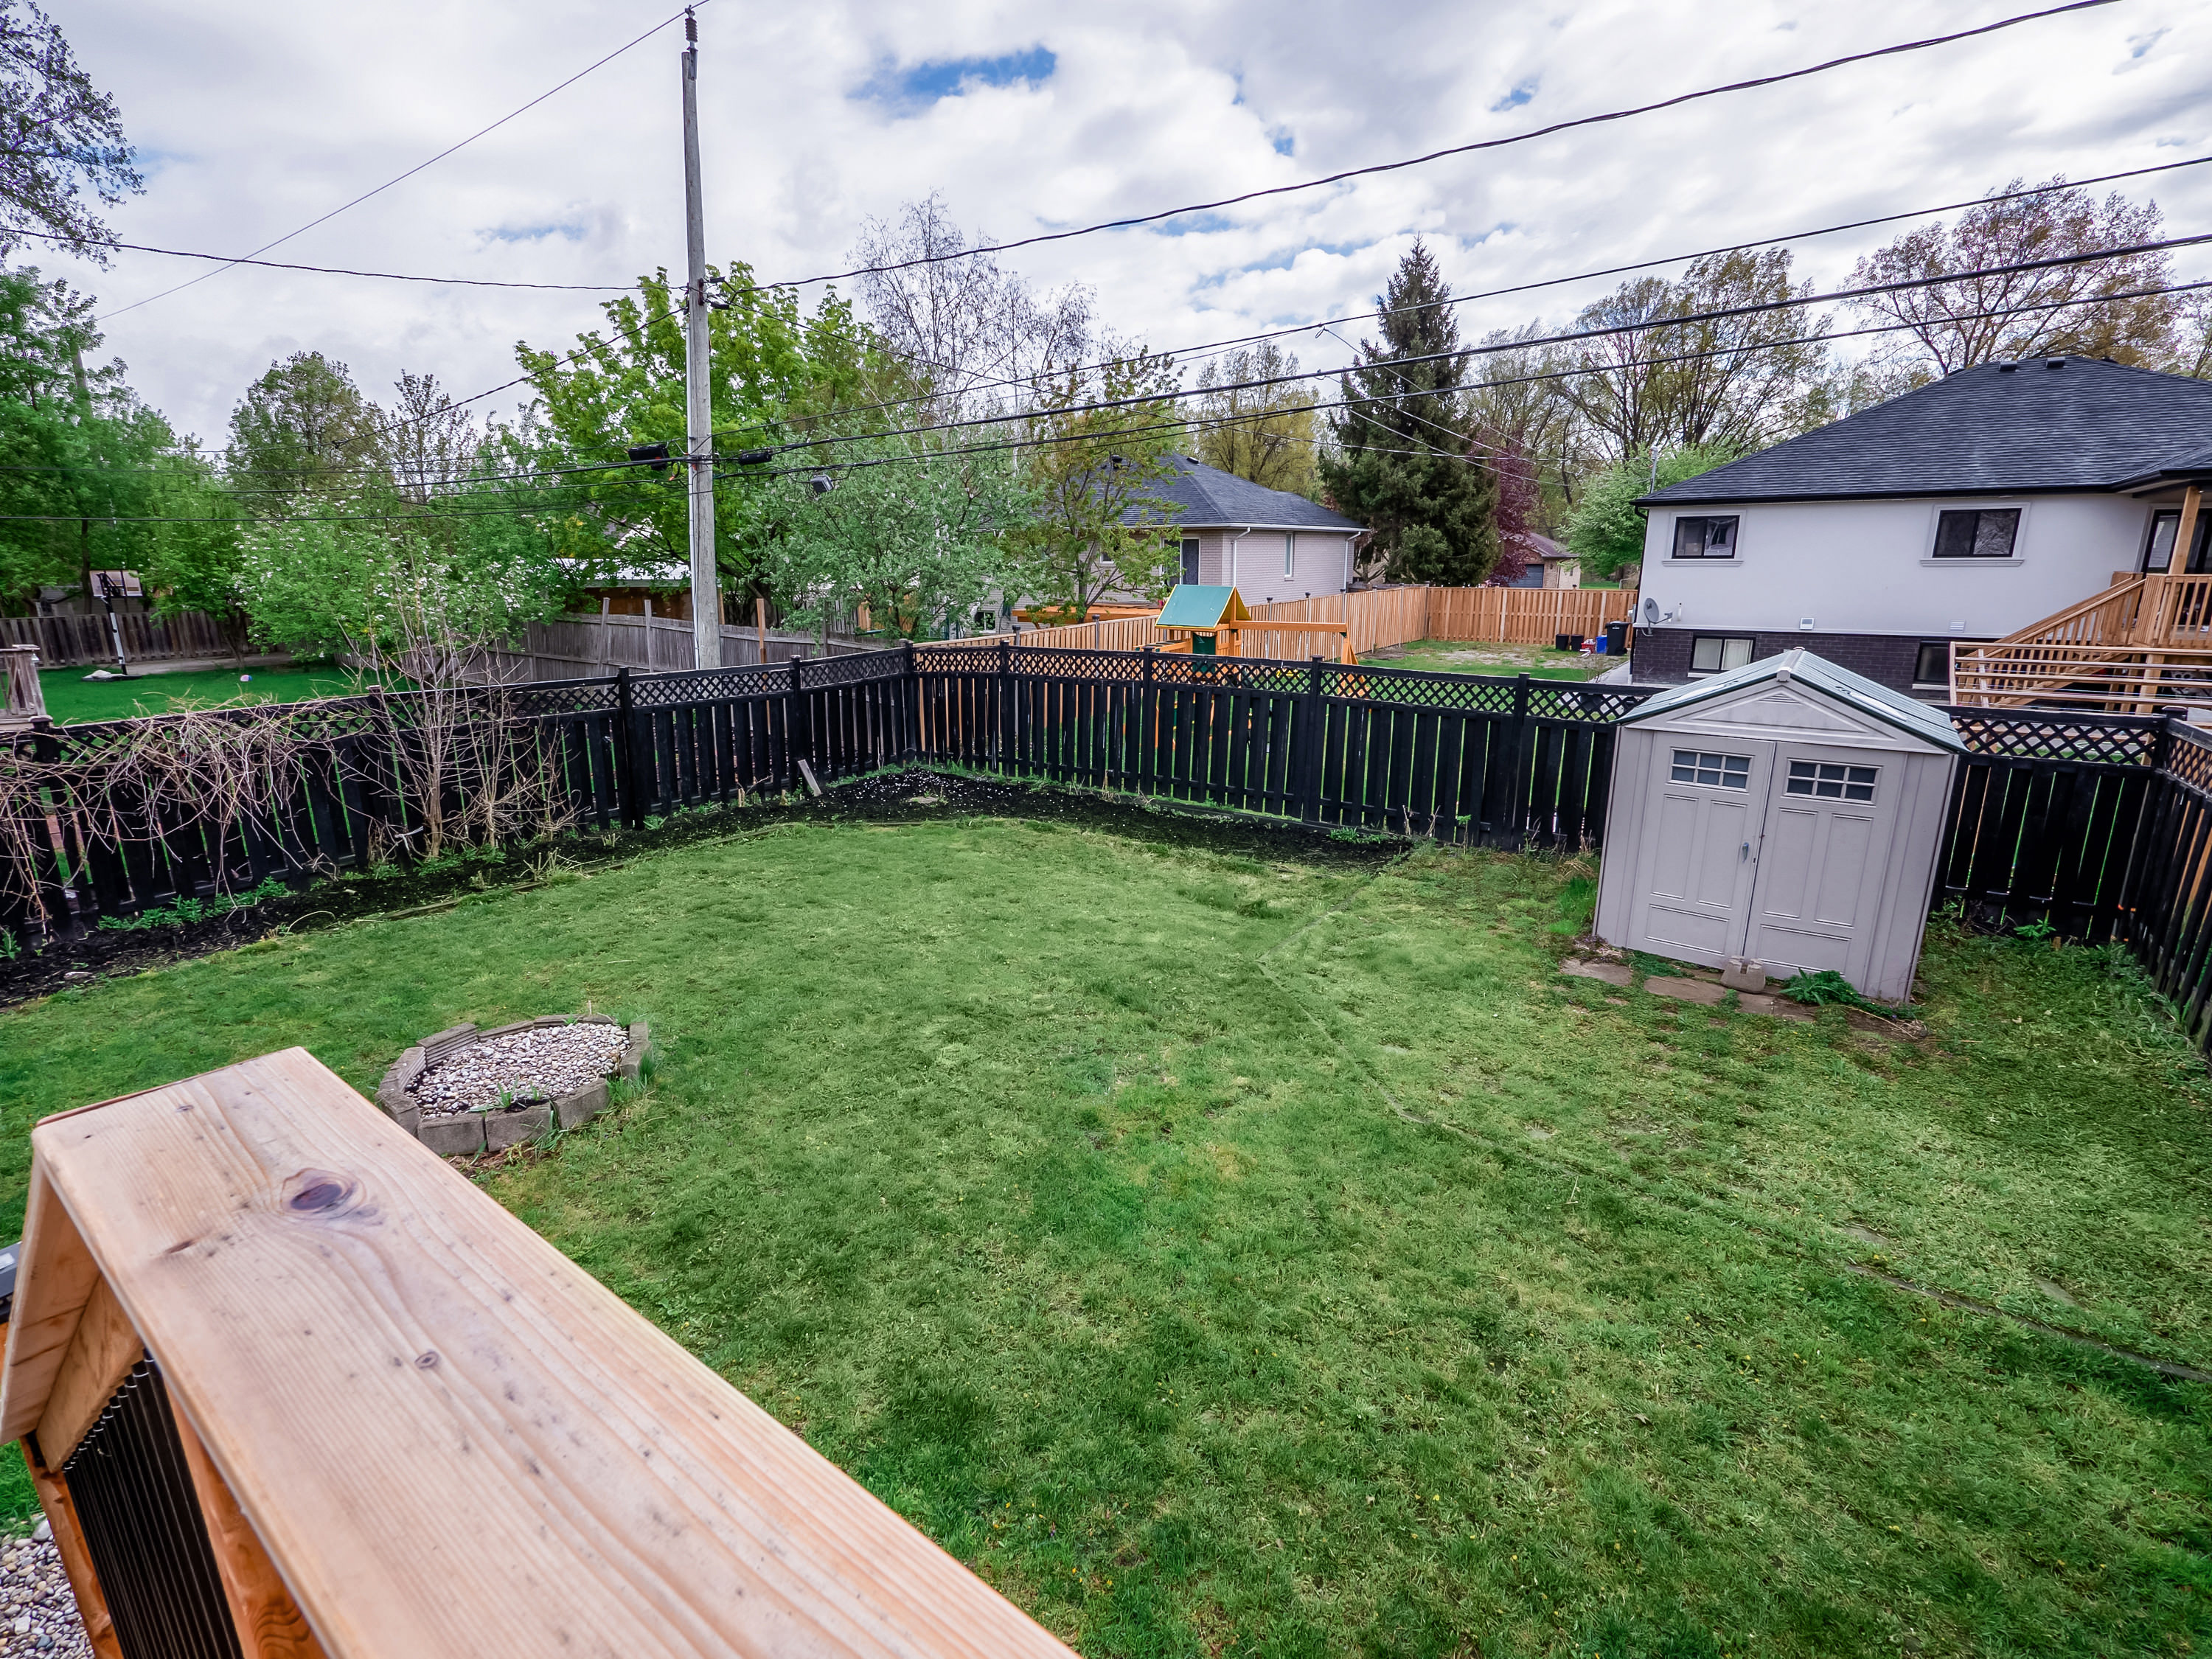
x,y
1651,613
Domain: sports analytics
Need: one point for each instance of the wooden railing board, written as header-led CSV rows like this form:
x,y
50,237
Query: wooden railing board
x,y
368,1344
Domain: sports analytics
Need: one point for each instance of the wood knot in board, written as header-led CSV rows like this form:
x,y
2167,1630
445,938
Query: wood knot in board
x,y
428,1359
318,1192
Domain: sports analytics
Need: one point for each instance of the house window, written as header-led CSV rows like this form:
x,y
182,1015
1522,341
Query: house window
x,y
1704,539
1190,559
1817,778
1714,653
2165,528
1986,533
1713,771
1290,555
1933,665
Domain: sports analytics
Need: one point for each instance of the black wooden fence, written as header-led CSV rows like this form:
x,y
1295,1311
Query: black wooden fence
x,y
2100,825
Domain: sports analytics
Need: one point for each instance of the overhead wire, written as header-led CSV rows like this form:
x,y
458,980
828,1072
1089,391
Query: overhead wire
x,y
419,512
402,178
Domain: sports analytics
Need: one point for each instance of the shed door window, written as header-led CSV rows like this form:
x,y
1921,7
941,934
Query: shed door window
x,y
1986,533
1704,539
1831,783
1190,559
1712,771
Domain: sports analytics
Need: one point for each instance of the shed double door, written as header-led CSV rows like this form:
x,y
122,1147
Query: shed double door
x,y
1773,850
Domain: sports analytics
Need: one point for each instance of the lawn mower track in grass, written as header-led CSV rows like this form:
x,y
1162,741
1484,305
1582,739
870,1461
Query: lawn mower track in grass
x,y
1073,1191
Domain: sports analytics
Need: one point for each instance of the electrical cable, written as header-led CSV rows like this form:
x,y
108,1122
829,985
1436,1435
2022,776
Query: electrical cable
x,y
412,171
1456,149
430,512
323,271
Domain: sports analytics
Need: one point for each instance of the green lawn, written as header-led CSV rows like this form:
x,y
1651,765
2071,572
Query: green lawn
x,y
70,696
1228,1256
1463,657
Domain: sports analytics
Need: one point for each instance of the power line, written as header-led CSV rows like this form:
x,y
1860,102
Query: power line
x,y
1440,155
226,260
1202,349
419,167
423,512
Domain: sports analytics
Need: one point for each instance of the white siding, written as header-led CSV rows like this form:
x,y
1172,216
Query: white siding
x,y
1253,562
1867,567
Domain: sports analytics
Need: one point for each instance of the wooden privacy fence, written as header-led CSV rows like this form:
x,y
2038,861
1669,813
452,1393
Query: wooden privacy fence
x,y
1526,616
581,647
2100,825
64,641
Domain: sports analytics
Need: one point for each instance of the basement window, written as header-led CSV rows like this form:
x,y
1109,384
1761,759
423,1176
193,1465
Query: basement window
x,y
1933,665
1985,532
1716,653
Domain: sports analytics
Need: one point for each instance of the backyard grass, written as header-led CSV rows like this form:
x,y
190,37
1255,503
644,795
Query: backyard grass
x,y
70,696
1228,1254
1463,657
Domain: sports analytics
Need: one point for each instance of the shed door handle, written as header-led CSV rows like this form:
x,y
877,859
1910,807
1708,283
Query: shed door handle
x,y
1744,853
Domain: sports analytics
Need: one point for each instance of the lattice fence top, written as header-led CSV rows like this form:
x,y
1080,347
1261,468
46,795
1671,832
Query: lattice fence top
x,y
2189,758
2055,735
860,668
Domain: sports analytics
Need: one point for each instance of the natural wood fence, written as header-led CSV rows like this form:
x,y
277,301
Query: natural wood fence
x,y
66,640
1378,619
583,648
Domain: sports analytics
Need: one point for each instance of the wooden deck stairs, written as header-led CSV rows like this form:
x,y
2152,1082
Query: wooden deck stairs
x,y
2144,644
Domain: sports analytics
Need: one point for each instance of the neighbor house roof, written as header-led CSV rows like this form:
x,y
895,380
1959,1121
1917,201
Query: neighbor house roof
x,y
1803,668
2040,425
1205,497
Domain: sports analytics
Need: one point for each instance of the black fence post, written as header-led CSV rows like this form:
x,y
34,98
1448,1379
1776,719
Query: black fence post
x,y
1313,718
910,715
626,780
1148,721
1005,705
798,725
1514,820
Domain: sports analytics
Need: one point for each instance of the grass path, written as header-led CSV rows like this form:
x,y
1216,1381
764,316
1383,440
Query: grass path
x,y
1067,1189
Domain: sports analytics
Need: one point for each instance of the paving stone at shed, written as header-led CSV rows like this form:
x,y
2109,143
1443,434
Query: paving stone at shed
x,y
581,1108
1707,992
504,1129
1764,1002
453,1137
1613,973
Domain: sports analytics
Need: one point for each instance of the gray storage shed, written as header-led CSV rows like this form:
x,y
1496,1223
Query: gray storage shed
x,y
1787,812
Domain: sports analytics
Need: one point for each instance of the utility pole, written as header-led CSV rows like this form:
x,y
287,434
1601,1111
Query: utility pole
x,y
698,402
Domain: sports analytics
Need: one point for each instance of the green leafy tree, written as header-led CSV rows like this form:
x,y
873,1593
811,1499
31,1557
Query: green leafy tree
x,y
61,138
303,430
192,555
1097,524
912,533
1400,465
1262,433
777,371
1605,529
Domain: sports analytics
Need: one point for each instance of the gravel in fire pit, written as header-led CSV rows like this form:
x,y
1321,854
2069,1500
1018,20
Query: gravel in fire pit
x,y
39,1614
543,1064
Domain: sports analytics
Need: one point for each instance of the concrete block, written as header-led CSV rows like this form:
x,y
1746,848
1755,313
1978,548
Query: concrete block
x,y
581,1108
1613,973
392,1094
1743,974
510,1028
641,1038
546,1021
453,1137
505,1130
435,1048
1703,992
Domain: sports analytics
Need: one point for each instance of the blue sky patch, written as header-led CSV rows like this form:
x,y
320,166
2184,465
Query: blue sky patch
x,y
920,85
1520,95
572,232
1284,141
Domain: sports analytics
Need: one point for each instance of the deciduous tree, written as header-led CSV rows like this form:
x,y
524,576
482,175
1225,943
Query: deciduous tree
x,y
1263,433
61,138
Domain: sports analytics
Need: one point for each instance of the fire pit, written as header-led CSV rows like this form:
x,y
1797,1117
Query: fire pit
x,y
466,1090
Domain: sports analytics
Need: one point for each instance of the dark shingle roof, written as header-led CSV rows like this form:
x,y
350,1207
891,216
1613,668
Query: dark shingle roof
x,y
2087,425
1205,497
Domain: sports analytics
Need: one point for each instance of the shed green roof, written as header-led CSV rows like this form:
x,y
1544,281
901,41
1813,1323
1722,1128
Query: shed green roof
x,y
1923,720
1193,606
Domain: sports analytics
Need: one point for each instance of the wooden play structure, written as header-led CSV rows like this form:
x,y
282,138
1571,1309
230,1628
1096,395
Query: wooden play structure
x,y
1209,621
290,1385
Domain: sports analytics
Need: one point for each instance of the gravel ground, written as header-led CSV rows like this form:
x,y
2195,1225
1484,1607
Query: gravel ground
x,y
40,1615
545,1064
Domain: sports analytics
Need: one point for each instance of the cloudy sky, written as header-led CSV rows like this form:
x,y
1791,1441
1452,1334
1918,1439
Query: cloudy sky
x,y
254,119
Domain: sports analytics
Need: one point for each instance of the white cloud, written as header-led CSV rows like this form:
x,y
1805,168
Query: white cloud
x,y
255,119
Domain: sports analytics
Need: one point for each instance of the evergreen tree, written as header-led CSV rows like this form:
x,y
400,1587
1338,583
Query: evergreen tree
x,y
1402,466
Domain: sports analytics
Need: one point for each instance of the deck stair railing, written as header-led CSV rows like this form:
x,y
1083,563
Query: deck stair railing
x,y
2142,644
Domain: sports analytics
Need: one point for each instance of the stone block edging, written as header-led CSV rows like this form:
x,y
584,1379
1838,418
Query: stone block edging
x,y
467,1134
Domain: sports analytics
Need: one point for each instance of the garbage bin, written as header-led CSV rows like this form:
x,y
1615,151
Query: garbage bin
x,y
1616,638
1566,642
